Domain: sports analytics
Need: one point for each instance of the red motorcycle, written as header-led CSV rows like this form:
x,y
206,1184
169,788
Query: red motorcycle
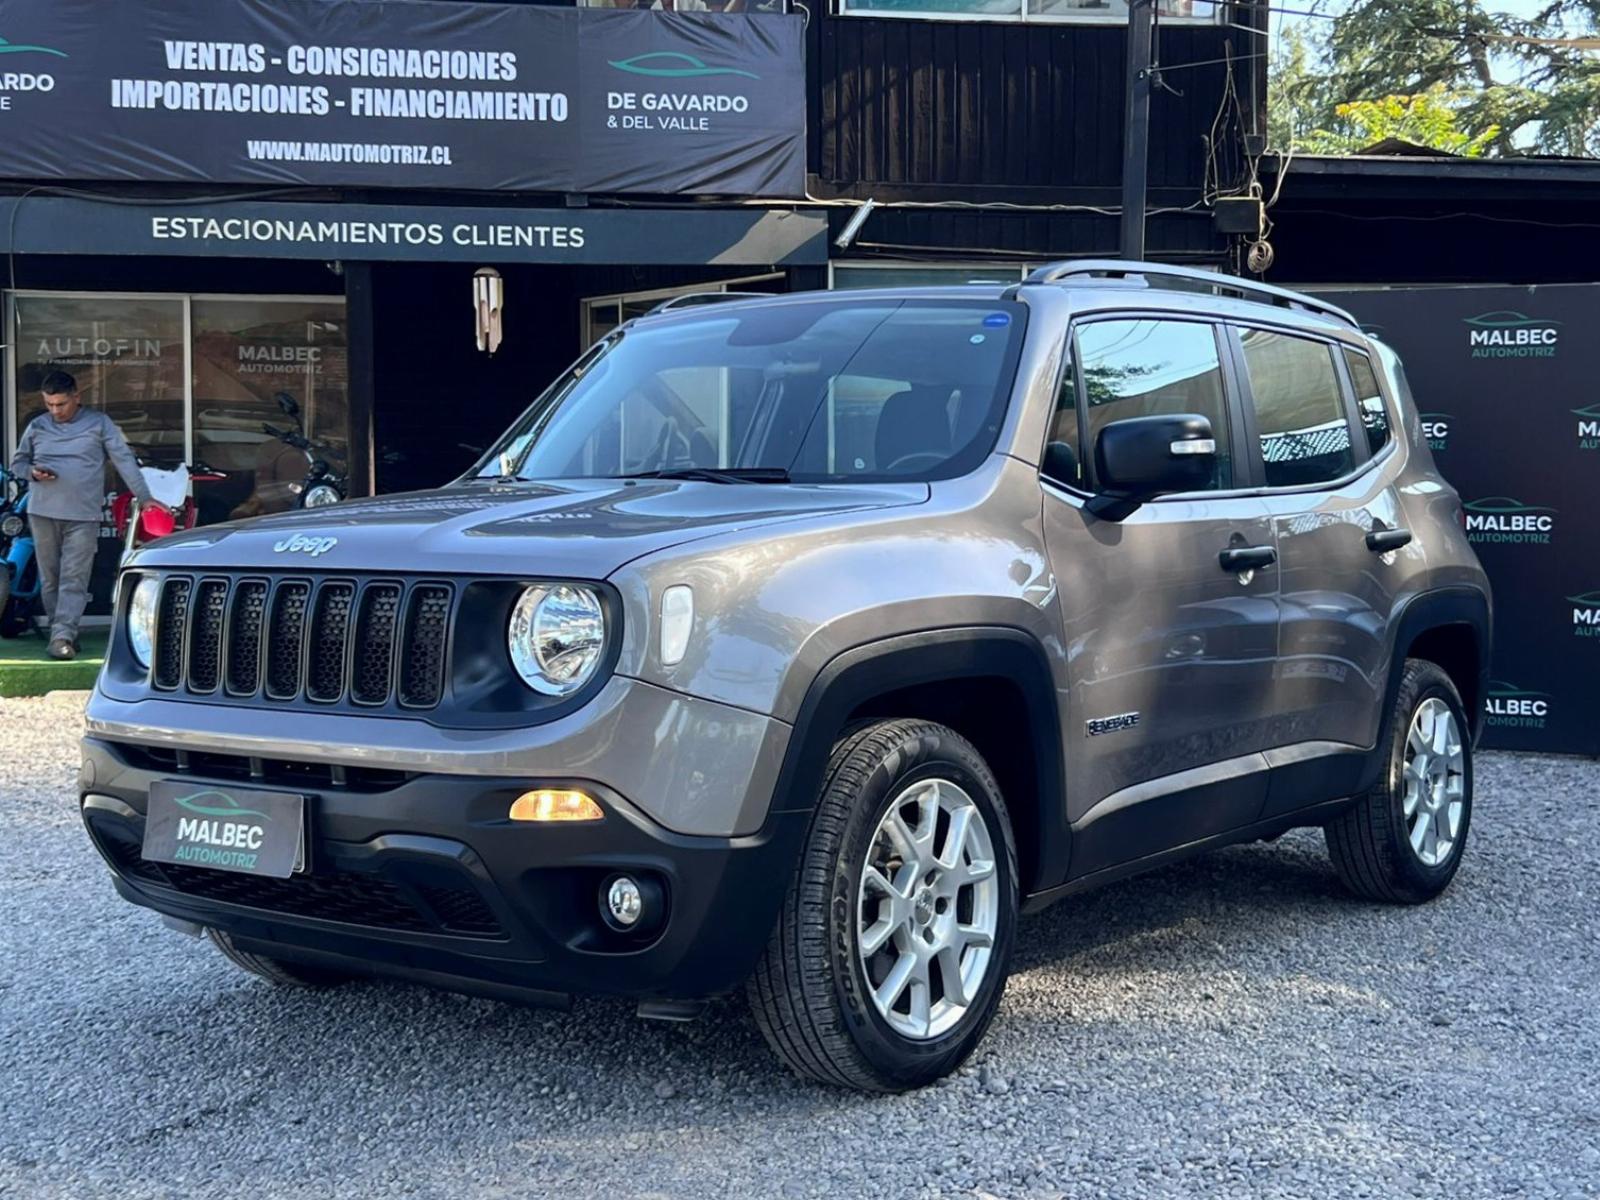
x,y
174,486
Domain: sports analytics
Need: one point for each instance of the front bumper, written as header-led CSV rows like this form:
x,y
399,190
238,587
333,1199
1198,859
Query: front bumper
x,y
691,765
423,876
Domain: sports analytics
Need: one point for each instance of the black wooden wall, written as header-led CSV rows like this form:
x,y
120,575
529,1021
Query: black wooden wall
x,y
1033,110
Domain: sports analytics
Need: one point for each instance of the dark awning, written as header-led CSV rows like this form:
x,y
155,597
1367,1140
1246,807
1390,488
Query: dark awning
x,y
748,236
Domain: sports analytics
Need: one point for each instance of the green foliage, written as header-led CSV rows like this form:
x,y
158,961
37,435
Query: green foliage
x,y
1444,73
1424,118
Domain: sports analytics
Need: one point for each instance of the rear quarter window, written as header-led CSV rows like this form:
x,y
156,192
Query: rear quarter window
x,y
1299,408
1369,400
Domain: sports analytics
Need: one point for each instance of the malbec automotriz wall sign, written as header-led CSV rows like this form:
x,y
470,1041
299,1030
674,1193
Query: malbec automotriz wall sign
x,y
1509,334
420,94
1505,381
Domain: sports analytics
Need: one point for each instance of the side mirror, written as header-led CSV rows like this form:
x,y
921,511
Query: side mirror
x,y
1144,457
287,404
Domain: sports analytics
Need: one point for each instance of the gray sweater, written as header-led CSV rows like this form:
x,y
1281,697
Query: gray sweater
x,y
77,451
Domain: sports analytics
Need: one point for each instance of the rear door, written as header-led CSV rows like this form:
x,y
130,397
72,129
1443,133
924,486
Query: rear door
x,y
1170,656
1320,430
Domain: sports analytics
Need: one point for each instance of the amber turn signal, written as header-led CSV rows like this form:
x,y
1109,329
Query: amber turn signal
x,y
555,804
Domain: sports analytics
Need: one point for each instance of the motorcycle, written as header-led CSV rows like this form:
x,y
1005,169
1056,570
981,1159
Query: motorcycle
x,y
174,487
323,484
19,570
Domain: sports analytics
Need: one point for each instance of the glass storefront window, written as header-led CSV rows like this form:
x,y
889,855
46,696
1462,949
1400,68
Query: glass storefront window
x,y
870,275
602,314
125,353
128,354
247,354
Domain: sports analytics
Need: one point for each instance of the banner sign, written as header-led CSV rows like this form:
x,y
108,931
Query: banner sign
x,y
415,94
749,236
1505,380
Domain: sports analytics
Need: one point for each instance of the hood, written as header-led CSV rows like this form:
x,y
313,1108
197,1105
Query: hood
x,y
579,528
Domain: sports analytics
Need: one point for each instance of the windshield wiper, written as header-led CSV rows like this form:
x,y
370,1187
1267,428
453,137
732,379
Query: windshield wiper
x,y
718,474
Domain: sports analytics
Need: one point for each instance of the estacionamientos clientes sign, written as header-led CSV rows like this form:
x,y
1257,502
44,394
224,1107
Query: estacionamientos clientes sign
x,y
738,235
417,94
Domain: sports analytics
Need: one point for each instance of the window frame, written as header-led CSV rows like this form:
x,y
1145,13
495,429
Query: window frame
x,y
1361,457
587,304
959,271
1390,406
11,424
1231,401
1217,19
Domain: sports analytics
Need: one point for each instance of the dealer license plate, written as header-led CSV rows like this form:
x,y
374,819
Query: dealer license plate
x,y
225,828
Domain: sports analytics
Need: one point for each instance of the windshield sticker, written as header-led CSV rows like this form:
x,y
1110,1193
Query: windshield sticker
x,y
997,320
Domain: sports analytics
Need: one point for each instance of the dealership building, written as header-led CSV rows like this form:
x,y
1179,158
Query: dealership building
x,y
410,217
210,204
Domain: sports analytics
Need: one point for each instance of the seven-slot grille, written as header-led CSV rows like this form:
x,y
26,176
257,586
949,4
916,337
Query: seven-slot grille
x,y
323,641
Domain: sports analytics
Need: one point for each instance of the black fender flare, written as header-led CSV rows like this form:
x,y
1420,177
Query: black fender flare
x,y
1426,611
859,675
1434,610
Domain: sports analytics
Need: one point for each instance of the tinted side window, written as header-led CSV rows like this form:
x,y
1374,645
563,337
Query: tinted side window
x,y
1369,399
1300,414
1146,368
1063,461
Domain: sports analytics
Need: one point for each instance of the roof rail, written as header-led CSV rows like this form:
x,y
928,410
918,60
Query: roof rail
x,y
1120,268
696,299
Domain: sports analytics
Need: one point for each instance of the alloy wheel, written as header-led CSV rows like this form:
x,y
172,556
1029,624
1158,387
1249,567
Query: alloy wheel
x,y
927,909
1434,776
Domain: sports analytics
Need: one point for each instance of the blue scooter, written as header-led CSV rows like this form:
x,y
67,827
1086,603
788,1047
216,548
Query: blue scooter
x,y
19,569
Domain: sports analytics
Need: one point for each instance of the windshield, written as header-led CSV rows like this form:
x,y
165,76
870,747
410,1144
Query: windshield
x,y
814,391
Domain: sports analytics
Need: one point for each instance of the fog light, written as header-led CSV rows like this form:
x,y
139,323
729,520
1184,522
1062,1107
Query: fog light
x,y
555,804
634,905
624,903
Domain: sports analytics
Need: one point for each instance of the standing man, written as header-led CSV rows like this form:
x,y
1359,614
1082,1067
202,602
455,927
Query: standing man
x,y
64,452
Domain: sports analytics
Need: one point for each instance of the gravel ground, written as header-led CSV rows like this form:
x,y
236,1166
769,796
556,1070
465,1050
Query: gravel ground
x,y
1231,1026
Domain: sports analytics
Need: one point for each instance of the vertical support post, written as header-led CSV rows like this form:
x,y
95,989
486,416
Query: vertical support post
x,y
188,382
361,336
1136,128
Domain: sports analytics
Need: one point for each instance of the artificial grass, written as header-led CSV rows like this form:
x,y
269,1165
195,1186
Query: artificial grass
x,y
26,670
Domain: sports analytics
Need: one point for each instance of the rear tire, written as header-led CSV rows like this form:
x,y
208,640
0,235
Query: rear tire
x,y
1402,842
276,970
890,956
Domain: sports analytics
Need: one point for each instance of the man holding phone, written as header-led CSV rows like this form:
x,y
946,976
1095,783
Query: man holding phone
x,y
64,452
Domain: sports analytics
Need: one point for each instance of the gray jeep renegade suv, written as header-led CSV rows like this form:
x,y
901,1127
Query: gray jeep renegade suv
x,y
798,643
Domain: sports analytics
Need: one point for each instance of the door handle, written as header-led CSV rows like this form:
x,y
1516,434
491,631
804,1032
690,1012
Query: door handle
x,y
1382,541
1238,559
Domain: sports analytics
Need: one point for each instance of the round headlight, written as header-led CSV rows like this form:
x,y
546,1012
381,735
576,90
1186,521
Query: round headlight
x,y
557,637
142,620
12,525
322,495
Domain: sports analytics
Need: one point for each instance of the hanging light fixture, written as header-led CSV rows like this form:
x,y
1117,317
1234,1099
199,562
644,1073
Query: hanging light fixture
x,y
488,301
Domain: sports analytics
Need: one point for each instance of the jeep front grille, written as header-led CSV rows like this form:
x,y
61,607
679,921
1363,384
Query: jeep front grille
x,y
324,642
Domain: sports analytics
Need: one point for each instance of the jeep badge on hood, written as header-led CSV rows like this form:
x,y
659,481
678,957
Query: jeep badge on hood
x,y
299,544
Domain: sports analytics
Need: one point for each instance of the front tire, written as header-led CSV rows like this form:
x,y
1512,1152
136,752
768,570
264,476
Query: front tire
x,y
1402,842
891,954
275,970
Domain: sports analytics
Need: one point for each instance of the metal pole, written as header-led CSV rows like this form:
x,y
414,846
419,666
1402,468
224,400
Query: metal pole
x,y
1136,130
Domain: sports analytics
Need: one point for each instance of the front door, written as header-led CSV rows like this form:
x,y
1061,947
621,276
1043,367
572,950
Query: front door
x,y
1170,654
